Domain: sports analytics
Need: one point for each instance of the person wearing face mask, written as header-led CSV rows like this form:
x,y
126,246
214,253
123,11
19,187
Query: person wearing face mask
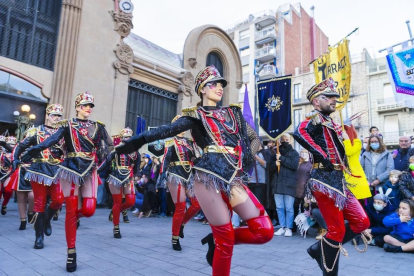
x,y
364,145
284,184
377,210
407,181
377,163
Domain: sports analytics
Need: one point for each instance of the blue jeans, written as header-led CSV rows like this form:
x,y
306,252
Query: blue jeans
x,y
284,208
235,220
139,199
162,194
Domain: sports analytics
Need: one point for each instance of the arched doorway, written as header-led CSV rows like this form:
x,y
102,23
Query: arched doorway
x,y
214,59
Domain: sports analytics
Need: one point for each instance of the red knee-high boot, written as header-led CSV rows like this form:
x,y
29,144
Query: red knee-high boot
x,y
129,202
259,230
70,231
176,224
191,212
224,242
116,210
88,207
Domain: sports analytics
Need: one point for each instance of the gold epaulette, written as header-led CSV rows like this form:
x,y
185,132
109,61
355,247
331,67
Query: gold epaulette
x,y
116,136
31,132
190,111
314,116
99,122
169,142
235,105
62,123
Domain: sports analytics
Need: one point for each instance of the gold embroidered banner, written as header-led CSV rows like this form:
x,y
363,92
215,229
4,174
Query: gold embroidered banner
x,y
335,64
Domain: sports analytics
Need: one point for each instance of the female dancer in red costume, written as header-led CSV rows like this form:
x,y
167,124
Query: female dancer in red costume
x,y
86,143
220,173
42,173
122,168
176,170
5,169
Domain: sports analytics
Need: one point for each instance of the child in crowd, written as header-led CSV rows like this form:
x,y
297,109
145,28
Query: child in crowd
x,y
401,238
376,212
393,184
407,181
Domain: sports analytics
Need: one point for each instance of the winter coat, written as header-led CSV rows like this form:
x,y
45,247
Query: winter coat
x,y
407,185
401,160
383,168
359,184
395,196
403,229
303,173
284,182
375,218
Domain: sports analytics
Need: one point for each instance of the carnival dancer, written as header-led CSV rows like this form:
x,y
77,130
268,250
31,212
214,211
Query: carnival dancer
x,y
323,138
86,143
176,170
5,169
122,168
42,172
23,188
221,173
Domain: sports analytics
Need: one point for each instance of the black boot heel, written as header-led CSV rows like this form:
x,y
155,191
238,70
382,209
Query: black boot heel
x,y
117,232
23,223
176,243
39,228
182,231
71,261
211,247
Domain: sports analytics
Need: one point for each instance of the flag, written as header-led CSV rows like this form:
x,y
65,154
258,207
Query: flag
x,y
401,71
156,148
335,64
247,112
140,125
274,101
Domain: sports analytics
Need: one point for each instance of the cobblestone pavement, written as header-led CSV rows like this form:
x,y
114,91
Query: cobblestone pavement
x,y
145,249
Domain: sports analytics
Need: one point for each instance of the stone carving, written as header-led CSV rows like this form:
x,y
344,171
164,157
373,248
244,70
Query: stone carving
x,y
123,23
192,62
125,56
239,84
187,80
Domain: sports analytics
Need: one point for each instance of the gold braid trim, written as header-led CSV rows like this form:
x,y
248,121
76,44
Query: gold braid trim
x,y
191,112
71,250
62,123
31,132
169,143
235,105
101,123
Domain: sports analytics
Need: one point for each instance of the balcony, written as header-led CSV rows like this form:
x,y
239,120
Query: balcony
x,y
265,18
268,71
264,54
265,36
390,104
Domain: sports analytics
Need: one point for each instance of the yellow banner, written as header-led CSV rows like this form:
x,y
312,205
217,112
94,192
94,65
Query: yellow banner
x,y
336,64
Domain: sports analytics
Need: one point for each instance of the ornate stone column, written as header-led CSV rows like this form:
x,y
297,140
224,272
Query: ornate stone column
x,y
66,51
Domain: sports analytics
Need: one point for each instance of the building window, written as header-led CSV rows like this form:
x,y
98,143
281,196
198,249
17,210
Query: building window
x,y
29,31
157,106
391,131
15,86
297,117
245,52
244,34
246,69
297,92
388,93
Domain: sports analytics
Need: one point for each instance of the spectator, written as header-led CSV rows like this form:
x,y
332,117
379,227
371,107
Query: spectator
x,y
146,168
401,238
364,145
284,184
377,210
139,200
303,173
150,196
161,189
377,162
393,183
271,145
259,180
271,205
407,182
373,131
155,169
401,159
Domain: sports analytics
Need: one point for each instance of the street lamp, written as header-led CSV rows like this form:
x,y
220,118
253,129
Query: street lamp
x,y
24,121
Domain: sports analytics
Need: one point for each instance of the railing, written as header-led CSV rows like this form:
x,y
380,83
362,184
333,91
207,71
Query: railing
x,y
268,50
391,103
265,33
250,18
268,70
377,68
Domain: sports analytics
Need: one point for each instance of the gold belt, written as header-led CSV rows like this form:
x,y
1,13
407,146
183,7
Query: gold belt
x,y
220,149
122,168
180,163
81,154
45,160
337,167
